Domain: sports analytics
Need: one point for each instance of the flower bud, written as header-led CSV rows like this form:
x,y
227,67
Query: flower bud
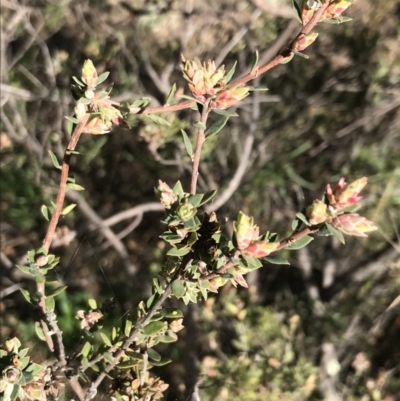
x,y
42,260
11,374
228,98
260,249
97,126
345,195
186,211
304,41
245,231
317,212
80,111
89,73
353,224
165,194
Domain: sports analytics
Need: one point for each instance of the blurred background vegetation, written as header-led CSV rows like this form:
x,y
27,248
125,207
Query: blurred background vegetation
x,y
327,327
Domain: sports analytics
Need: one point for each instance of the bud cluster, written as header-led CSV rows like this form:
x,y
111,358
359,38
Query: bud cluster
x,y
248,239
206,81
333,12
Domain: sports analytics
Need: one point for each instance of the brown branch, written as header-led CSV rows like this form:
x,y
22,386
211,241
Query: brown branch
x,y
63,182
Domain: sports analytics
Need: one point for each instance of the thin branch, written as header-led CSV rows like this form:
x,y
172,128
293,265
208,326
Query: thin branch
x,y
63,182
201,137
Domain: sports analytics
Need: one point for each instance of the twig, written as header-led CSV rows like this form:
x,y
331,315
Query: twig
x,y
201,137
143,321
63,182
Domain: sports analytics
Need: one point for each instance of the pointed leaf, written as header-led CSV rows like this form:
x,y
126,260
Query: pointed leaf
x,y
301,243
158,120
276,259
57,291
178,252
50,304
92,303
75,187
153,328
227,113
195,200
303,218
171,313
102,77
254,62
54,160
229,75
171,95
105,339
336,233
67,209
188,144
207,197
199,125
72,119
216,127
26,294
86,349
153,354
45,212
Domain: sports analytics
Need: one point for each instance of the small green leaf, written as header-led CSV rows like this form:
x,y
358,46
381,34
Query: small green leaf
x,y
50,304
295,224
276,260
84,100
229,75
216,127
105,339
92,303
303,218
178,252
254,62
162,362
86,349
171,313
70,127
153,354
178,190
258,88
171,95
188,144
78,81
108,357
207,197
54,160
336,233
26,294
23,352
153,328
301,243
199,125
57,291
142,102
39,331
102,77
302,55
75,187
227,113
158,120
45,212
68,208
195,200
128,327
72,119
168,337
178,289
190,98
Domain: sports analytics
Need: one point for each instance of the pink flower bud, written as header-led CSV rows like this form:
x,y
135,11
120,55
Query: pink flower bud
x,y
228,98
245,230
345,195
260,249
165,194
304,41
353,224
